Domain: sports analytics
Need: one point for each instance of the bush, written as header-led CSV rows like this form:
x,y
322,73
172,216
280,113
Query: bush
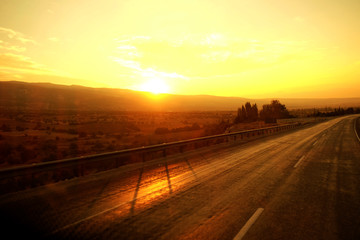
x,y
82,134
25,153
20,129
5,128
5,151
162,131
73,149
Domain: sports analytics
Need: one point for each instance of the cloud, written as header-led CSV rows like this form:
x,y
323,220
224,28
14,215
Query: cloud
x,y
17,36
129,55
13,41
14,61
209,56
53,39
5,46
127,63
216,56
125,39
22,65
149,72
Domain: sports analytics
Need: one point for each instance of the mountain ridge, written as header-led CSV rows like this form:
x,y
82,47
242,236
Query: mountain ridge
x,y
50,96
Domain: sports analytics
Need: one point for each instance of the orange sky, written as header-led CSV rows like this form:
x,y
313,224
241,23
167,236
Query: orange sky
x,y
249,48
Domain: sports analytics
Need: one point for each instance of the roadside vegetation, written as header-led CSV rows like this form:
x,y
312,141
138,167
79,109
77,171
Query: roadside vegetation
x,y
269,112
30,137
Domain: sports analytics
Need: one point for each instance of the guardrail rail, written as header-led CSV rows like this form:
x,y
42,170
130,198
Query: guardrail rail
x,y
27,176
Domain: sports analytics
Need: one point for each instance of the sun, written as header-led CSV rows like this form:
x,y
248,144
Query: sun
x,y
155,86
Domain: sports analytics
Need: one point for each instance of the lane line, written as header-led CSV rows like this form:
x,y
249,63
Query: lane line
x,y
248,224
302,158
177,180
355,129
258,212
85,219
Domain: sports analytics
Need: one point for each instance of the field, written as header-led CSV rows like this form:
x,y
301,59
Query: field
x,y
40,136
31,137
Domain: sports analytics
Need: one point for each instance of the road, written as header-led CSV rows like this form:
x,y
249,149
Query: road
x,y
304,184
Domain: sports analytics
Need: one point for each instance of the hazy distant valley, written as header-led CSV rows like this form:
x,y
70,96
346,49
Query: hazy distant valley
x,y
42,96
45,122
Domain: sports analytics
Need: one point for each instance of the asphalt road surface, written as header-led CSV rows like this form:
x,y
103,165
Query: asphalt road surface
x,y
303,184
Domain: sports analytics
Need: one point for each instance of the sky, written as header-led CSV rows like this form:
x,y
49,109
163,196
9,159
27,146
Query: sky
x,y
239,48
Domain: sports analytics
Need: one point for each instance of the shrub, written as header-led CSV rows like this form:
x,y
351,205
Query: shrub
x,y
162,131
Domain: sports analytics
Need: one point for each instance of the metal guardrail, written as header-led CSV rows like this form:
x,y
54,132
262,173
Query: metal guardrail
x,y
16,178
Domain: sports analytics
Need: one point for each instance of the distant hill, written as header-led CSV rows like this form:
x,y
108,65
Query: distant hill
x,y
45,96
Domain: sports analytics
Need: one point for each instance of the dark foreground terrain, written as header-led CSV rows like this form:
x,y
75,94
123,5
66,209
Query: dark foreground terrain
x,y
303,184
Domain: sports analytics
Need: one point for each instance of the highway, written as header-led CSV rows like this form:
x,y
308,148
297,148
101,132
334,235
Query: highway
x,y
302,184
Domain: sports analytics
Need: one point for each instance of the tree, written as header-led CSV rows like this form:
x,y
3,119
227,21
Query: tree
x,y
247,113
254,113
267,114
273,111
243,112
240,115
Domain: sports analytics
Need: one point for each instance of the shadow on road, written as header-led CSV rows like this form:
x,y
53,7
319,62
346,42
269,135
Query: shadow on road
x,y
136,190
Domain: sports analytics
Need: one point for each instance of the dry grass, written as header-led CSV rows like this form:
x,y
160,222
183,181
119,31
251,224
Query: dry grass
x,y
37,137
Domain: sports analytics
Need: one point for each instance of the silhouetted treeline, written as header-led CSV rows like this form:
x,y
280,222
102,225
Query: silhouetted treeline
x,y
269,113
273,111
335,112
247,113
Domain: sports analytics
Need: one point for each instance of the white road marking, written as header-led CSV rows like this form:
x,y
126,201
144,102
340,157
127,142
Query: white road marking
x,y
248,224
302,158
175,180
355,129
85,219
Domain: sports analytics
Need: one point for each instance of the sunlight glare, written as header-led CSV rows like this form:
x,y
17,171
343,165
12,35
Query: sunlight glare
x,y
155,85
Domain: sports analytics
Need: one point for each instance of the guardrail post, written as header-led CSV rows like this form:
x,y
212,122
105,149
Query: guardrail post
x,y
143,157
81,170
32,180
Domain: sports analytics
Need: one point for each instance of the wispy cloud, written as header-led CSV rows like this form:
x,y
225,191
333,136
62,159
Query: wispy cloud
x,y
6,47
13,41
14,56
211,56
53,39
20,37
125,39
216,55
127,63
20,62
149,72
146,72
17,66
128,55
